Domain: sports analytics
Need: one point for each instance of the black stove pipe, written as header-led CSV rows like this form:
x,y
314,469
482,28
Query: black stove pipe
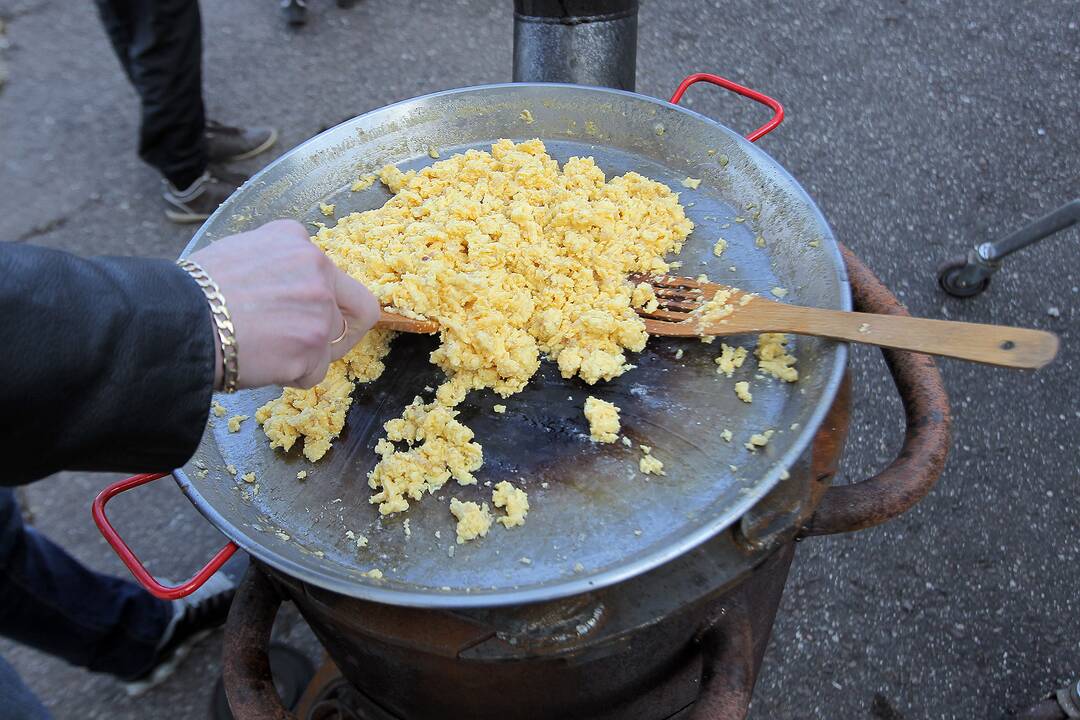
x,y
585,42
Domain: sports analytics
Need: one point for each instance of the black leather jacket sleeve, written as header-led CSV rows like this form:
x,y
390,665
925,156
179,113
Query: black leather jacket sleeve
x,y
105,363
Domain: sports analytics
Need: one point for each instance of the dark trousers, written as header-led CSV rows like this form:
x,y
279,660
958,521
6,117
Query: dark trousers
x,y
51,602
159,44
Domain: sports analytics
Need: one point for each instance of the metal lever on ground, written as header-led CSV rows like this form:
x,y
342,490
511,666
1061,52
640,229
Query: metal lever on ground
x,y
917,466
968,275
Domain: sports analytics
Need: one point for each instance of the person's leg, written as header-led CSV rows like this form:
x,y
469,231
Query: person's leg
x,y
17,700
116,18
165,56
51,602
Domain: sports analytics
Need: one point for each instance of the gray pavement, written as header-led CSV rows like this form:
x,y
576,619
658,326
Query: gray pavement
x,y
919,127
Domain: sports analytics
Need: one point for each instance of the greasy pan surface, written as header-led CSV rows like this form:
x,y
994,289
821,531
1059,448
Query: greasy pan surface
x,y
594,519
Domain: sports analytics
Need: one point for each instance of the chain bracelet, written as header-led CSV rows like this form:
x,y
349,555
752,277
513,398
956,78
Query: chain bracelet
x,y
220,313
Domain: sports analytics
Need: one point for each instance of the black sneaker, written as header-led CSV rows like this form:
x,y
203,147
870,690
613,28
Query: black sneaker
x,y
194,618
225,143
197,202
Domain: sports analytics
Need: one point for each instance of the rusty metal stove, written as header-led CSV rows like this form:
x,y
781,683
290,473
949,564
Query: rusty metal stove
x,y
685,640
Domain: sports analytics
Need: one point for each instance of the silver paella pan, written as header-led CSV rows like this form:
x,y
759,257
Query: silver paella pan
x,y
594,519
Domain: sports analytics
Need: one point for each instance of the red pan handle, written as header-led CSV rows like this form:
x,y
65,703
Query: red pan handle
x,y
133,563
777,108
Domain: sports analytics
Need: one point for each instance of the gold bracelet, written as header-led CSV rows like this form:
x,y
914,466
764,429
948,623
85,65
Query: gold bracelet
x,y
220,313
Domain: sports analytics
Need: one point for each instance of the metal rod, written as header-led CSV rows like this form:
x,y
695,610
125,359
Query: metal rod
x,y
1065,216
585,42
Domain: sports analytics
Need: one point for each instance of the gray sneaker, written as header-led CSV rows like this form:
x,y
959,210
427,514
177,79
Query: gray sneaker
x,y
196,203
225,143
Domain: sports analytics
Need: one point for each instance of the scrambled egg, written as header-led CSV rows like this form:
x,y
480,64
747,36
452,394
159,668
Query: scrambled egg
x,y
473,520
364,183
234,422
514,500
742,391
773,357
218,408
603,420
719,247
731,359
318,414
326,209
516,259
648,464
759,440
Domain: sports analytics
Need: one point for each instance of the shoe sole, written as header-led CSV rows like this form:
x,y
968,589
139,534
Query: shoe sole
x,y
167,668
266,145
184,218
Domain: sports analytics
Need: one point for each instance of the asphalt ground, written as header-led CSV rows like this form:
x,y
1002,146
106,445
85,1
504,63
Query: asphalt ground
x,y
920,128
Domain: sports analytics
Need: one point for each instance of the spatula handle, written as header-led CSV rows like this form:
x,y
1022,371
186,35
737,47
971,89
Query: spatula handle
x,y
990,344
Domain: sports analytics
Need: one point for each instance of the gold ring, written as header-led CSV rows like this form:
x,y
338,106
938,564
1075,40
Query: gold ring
x,y
344,329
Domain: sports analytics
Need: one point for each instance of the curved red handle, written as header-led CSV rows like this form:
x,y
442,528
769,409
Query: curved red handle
x,y
128,557
777,108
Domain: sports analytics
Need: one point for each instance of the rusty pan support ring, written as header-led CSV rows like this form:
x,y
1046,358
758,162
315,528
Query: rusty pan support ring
x,y
249,684
906,481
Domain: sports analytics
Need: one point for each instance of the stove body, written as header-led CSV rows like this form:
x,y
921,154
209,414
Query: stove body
x,y
654,647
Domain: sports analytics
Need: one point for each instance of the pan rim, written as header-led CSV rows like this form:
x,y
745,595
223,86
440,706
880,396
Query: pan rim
x,y
431,597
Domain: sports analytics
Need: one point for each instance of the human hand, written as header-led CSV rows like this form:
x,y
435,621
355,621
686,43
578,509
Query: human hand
x,y
287,301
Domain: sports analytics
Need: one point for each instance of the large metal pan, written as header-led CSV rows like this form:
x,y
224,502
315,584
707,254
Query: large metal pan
x,y
594,520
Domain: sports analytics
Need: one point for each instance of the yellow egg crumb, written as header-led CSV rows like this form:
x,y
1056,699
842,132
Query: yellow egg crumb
x,y
731,359
527,116
719,247
231,469
438,448
433,152
248,477
759,440
473,520
318,414
516,259
626,441
326,209
364,183
759,241
691,183
514,500
679,354
650,465
499,409
301,475
603,420
374,573
814,243
742,391
779,292
218,408
234,422
360,540
726,435
773,357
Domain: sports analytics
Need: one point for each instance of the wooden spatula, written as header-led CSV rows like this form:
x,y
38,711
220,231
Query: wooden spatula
x,y
681,313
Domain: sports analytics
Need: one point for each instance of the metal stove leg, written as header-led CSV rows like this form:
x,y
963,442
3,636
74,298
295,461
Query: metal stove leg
x,y
249,684
733,646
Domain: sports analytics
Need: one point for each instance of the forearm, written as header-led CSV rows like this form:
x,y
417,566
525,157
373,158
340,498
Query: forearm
x,y
107,364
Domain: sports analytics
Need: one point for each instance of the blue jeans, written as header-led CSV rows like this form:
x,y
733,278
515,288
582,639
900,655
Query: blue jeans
x,y
51,602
